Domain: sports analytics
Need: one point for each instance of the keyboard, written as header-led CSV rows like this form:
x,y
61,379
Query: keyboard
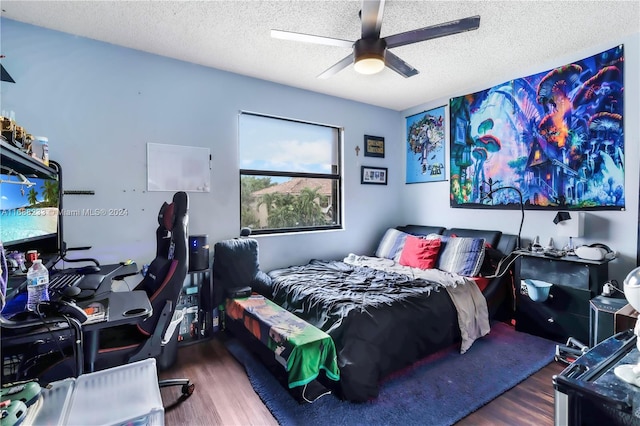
x,y
59,282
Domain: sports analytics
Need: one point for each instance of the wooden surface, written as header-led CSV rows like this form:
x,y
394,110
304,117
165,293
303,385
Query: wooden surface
x,y
224,396
529,403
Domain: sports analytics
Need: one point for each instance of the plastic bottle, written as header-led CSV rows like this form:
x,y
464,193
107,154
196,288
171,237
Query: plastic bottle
x,y
40,149
37,284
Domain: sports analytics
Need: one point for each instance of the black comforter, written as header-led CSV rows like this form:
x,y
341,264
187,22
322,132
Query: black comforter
x,y
380,321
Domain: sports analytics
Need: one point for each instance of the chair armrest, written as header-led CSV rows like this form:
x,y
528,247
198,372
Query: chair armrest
x,y
153,345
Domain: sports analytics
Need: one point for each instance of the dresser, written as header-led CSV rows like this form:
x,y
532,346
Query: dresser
x,y
565,313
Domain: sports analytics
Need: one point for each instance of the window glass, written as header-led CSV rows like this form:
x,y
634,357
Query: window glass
x,y
289,175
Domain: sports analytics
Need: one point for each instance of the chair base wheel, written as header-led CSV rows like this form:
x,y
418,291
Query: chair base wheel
x,y
188,389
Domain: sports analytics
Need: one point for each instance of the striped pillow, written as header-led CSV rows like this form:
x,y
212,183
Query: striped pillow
x,y
391,245
462,256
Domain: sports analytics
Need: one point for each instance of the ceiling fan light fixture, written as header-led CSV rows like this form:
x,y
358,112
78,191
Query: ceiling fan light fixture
x,y
369,56
369,65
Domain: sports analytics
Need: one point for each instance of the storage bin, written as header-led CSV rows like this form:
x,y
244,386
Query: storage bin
x,y
55,403
126,394
538,290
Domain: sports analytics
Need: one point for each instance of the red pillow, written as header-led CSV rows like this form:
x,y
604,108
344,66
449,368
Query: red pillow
x,y
420,253
481,282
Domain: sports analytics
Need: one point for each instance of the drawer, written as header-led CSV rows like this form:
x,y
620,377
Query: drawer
x,y
569,274
561,299
551,324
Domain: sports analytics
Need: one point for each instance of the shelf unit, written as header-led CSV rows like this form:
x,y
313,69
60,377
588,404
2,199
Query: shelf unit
x,y
197,324
566,311
13,160
21,162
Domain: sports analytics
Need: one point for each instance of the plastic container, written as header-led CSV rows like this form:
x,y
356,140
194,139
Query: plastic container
x,y
56,399
538,290
37,285
40,149
122,395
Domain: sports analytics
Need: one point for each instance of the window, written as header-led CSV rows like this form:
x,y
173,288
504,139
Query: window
x,y
290,175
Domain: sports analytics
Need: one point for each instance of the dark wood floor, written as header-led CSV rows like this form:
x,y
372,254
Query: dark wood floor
x,y
224,396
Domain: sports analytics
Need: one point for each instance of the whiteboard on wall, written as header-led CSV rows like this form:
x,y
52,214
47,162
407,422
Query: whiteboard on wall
x,y
178,168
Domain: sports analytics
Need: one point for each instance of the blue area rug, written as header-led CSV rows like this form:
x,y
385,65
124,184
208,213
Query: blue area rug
x,y
439,390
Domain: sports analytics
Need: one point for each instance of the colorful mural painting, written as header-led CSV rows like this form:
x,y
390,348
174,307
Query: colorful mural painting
x,y
425,146
557,136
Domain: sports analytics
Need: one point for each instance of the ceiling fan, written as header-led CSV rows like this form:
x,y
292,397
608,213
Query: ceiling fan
x,y
371,53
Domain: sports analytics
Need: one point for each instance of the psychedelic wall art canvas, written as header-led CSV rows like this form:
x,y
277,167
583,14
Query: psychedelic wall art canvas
x,y
557,136
426,146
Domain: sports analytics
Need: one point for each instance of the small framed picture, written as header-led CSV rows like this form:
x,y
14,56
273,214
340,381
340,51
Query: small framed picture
x,y
373,146
373,175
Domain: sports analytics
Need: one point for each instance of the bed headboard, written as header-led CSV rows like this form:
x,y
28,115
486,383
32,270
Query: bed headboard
x,y
491,237
421,229
506,243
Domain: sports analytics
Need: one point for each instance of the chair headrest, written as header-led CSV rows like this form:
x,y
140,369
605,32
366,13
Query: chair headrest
x,y
170,214
166,216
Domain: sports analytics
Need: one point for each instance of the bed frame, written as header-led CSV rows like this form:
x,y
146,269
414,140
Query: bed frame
x,y
236,260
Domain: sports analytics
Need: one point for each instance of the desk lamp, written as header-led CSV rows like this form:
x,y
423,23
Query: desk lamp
x,y
568,226
630,373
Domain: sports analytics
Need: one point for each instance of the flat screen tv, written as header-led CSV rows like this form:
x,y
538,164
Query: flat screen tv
x,y
29,206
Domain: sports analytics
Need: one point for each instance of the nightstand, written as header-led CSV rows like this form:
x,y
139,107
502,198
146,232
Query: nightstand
x,y
565,313
602,317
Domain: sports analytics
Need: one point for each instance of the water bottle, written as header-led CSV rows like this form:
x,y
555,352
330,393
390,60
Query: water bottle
x,y
37,285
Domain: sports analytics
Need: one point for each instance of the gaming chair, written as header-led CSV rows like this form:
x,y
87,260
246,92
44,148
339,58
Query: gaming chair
x,y
162,283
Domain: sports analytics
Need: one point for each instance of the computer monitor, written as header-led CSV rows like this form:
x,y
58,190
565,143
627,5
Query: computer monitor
x,y
30,202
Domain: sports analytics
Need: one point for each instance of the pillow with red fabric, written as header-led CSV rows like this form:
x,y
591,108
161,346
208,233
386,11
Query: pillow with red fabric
x,y
419,252
481,282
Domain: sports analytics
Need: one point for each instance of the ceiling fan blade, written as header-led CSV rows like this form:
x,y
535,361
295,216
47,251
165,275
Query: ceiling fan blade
x,y
342,64
398,65
309,38
434,31
371,17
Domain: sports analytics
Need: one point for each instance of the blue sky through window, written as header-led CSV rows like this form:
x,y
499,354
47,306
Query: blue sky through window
x,y
287,146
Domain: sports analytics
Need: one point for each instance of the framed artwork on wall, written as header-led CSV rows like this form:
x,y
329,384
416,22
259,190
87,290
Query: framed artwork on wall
x,y
373,175
426,146
557,136
373,146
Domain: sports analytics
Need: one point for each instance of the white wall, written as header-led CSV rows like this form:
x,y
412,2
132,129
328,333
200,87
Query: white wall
x,y
429,203
100,105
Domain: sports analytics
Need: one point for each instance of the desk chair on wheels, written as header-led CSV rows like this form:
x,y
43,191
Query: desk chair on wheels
x,y
162,283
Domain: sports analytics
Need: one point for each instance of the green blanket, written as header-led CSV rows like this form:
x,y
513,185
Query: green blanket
x,y
300,347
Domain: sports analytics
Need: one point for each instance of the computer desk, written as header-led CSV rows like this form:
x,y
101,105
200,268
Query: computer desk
x,y
127,307
124,307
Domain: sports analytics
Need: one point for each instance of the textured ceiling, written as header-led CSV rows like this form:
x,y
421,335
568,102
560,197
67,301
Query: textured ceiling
x,y
515,38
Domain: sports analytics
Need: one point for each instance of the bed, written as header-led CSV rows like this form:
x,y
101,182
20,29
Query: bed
x,y
393,307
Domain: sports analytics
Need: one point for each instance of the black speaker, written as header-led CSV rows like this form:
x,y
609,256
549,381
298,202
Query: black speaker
x,y
602,317
198,252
